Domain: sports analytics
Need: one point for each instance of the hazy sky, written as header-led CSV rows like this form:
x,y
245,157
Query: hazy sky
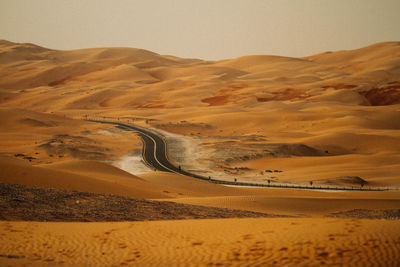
x,y
207,29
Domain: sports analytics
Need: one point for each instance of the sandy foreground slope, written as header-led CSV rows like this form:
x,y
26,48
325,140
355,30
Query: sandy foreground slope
x,y
225,242
42,138
300,241
294,241
95,177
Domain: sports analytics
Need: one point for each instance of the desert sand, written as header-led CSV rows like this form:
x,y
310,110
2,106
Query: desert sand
x,y
224,242
336,111
331,118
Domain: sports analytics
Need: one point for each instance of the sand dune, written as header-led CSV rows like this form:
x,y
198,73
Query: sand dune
x,y
96,177
102,178
45,138
191,187
297,205
331,118
337,103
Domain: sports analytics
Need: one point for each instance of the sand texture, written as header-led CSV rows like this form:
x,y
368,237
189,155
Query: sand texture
x,y
228,242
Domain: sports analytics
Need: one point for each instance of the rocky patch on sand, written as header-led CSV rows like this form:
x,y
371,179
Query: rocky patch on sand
x,y
18,202
76,146
343,180
392,214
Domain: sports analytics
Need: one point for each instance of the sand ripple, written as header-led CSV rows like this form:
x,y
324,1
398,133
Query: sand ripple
x,y
221,242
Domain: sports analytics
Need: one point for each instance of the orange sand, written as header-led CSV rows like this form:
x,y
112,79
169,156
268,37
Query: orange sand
x,y
314,118
225,242
344,104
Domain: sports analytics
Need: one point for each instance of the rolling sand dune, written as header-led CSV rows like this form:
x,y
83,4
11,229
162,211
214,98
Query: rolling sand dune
x,y
331,118
192,187
99,177
47,138
296,205
111,181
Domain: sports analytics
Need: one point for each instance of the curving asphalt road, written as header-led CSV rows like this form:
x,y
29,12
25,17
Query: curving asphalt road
x,y
154,149
155,155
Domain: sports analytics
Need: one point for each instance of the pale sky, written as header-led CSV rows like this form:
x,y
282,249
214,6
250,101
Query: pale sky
x,y
206,29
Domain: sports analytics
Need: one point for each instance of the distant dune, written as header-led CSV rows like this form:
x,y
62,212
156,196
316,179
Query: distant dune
x,y
343,105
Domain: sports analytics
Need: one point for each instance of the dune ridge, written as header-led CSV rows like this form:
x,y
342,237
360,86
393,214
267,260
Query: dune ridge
x,y
241,117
